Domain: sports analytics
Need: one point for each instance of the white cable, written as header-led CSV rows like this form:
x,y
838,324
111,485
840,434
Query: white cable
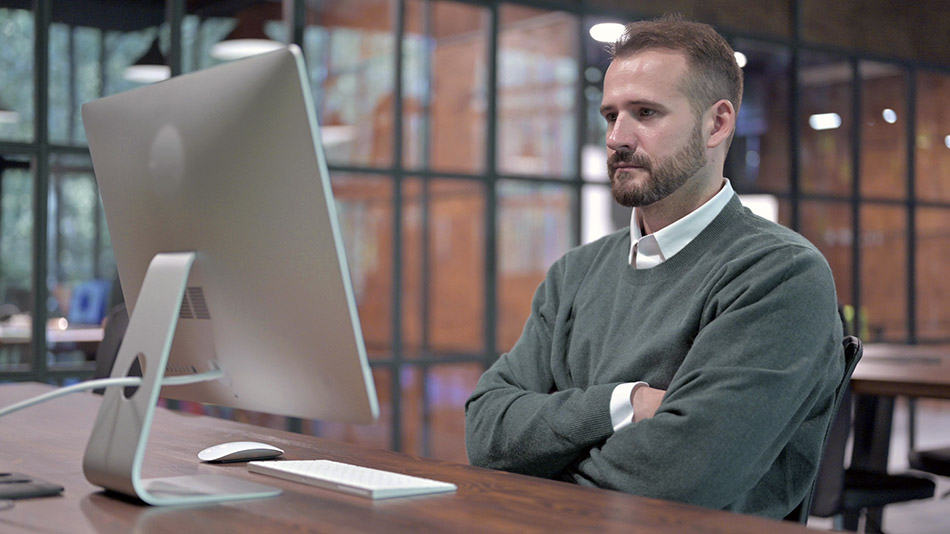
x,y
109,382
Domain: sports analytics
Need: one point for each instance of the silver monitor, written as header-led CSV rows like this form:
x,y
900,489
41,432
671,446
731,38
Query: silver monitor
x,y
230,257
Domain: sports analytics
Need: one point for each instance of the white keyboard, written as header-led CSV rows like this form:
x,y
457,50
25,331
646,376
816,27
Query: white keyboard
x,y
372,483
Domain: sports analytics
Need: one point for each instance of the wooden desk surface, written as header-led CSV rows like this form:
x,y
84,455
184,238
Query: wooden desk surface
x,y
48,440
79,334
911,370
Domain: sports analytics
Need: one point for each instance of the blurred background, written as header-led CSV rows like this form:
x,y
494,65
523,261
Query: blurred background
x,y
466,153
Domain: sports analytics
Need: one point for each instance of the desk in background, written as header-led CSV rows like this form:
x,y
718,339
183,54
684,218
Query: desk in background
x,y
887,371
910,370
48,440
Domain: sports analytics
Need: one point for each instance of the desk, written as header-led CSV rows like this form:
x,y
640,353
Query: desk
x,y
47,441
80,334
884,372
911,370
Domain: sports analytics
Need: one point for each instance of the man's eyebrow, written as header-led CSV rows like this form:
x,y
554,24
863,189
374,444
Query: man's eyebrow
x,y
633,103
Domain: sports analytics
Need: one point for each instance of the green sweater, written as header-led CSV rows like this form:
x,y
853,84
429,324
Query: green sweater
x,y
740,327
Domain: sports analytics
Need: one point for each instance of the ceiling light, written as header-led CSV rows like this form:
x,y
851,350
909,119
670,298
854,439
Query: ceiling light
x,y
241,48
824,121
149,68
246,39
740,59
890,116
606,32
946,141
8,116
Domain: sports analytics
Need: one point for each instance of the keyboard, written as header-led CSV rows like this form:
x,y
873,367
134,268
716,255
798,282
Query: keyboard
x,y
347,478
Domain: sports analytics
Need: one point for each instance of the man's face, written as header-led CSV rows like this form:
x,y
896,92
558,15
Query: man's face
x,y
655,141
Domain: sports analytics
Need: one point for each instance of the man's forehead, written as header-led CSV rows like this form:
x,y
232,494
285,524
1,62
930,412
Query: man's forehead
x,y
652,73
650,61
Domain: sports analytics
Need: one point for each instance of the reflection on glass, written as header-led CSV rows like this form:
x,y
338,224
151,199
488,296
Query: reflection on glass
x,y
825,151
884,273
16,269
884,127
933,137
447,389
444,307
433,408
534,230
364,209
444,120
537,73
215,32
74,78
758,157
349,49
375,435
933,284
828,226
80,291
601,213
16,84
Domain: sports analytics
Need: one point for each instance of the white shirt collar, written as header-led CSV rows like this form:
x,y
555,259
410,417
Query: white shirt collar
x,y
653,249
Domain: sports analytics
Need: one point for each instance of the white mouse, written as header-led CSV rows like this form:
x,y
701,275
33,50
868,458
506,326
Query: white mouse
x,y
239,451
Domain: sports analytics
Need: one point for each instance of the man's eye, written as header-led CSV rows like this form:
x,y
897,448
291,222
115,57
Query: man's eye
x,y
610,117
647,112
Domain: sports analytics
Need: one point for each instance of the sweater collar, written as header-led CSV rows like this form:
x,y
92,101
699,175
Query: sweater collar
x,y
653,249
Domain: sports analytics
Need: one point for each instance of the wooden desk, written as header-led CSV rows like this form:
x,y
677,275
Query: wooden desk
x,y
885,372
910,370
47,441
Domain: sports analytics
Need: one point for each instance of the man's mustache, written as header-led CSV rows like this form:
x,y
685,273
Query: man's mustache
x,y
629,158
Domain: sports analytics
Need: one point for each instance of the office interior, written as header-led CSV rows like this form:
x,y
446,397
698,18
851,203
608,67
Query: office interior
x,y
466,155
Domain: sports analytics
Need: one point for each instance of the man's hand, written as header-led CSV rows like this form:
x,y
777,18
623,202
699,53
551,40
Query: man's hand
x,y
645,401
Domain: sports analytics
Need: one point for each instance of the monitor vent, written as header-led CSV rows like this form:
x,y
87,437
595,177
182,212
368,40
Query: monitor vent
x,y
196,296
193,304
185,312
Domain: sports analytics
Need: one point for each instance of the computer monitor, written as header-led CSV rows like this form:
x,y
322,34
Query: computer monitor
x,y
230,257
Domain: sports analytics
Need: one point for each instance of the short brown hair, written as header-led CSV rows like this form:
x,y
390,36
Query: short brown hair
x,y
714,73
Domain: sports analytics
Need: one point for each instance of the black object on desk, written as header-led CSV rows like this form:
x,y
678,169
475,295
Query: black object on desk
x,y
20,486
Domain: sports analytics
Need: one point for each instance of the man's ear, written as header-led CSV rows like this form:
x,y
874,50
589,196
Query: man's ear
x,y
722,120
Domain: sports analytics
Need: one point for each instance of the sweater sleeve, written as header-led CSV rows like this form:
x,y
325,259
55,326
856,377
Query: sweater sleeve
x,y
521,417
766,360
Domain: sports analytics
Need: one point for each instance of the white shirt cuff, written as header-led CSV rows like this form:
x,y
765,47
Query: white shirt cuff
x,y
621,409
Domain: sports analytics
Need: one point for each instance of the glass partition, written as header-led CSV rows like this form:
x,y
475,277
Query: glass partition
x,y
445,89
933,137
537,76
16,84
758,159
16,268
884,272
883,130
443,267
534,230
349,48
364,208
825,151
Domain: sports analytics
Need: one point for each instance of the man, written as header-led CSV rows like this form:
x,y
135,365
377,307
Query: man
x,y
693,356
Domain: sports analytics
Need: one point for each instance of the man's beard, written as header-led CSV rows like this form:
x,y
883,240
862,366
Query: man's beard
x,y
665,177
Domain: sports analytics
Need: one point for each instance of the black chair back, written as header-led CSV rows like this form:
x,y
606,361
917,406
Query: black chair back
x,y
827,489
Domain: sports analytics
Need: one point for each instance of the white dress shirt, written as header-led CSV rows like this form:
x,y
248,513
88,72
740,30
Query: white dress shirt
x,y
648,251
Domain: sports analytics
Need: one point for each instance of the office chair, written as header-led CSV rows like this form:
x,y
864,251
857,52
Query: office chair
x,y
935,461
852,355
846,493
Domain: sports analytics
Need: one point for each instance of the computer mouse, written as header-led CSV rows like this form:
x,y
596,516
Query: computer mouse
x,y
239,451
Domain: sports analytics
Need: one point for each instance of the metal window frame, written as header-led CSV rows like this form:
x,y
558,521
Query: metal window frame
x,y
40,149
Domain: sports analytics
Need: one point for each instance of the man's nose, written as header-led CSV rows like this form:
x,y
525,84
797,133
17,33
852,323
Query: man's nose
x,y
622,136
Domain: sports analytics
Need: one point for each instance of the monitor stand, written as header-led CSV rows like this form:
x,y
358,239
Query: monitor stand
x,y
113,458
